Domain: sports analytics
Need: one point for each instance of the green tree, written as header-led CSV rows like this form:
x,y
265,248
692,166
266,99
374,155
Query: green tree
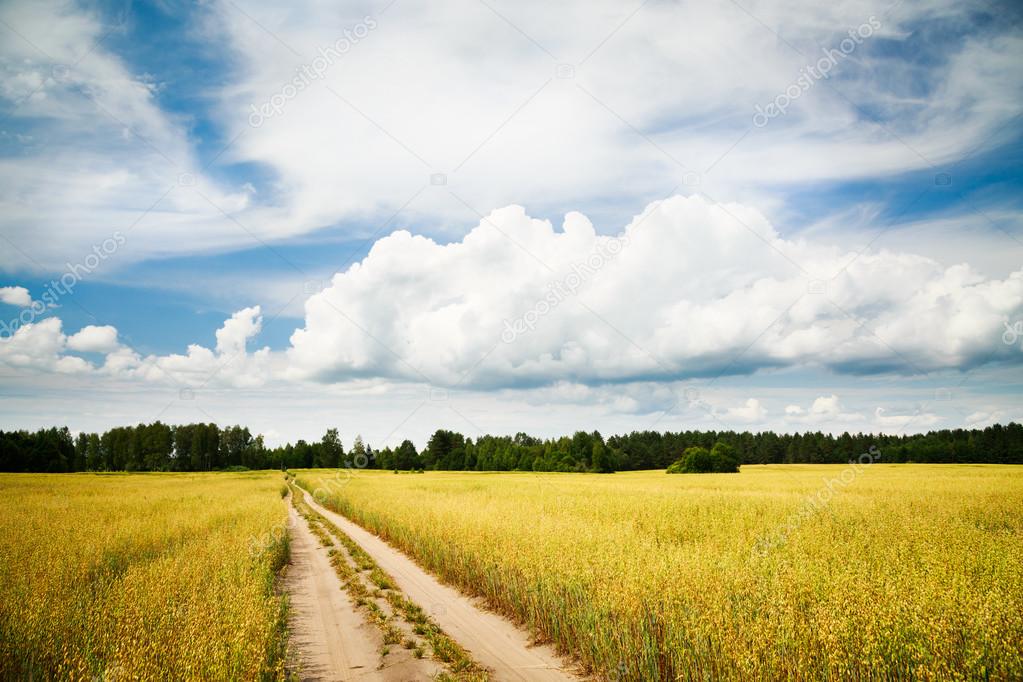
x,y
406,457
331,453
385,459
359,456
724,459
445,450
93,453
721,458
81,446
600,459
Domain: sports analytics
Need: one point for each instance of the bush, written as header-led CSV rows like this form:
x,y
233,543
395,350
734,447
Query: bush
x,y
720,459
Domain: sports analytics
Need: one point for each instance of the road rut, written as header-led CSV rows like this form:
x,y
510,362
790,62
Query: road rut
x,y
493,640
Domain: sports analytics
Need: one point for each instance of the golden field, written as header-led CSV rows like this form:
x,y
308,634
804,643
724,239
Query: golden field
x,y
900,572
141,576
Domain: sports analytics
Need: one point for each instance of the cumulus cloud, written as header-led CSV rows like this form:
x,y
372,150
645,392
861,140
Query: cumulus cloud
x,y
982,418
236,332
914,421
41,346
636,398
689,289
988,415
18,296
228,364
94,339
750,412
824,409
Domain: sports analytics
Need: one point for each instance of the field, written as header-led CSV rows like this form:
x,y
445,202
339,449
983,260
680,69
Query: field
x,y
780,572
141,577
798,572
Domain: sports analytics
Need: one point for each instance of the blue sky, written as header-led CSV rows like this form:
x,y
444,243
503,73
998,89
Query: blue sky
x,y
829,267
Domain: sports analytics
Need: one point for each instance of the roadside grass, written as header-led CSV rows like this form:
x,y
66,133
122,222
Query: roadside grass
x,y
371,589
154,576
799,572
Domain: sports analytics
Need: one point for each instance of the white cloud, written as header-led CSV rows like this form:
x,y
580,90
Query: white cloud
x,y
823,410
40,346
505,128
905,423
94,339
988,415
701,290
108,154
692,289
638,398
236,332
980,418
689,290
18,296
750,412
489,112
229,364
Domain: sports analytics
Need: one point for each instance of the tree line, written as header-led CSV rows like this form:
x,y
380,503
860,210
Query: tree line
x,y
208,447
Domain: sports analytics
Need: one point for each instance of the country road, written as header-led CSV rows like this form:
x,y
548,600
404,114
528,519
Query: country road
x,y
494,641
329,639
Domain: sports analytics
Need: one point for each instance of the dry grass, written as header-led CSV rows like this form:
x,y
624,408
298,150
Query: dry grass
x,y
142,577
908,571
372,589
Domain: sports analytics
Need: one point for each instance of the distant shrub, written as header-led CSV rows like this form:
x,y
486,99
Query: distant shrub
x,y
720,459
235,468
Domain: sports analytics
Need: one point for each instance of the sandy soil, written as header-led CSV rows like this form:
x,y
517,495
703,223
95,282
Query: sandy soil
x,y
329,638
493,640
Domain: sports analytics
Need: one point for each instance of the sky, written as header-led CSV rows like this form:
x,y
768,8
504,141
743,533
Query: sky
x,y
397,216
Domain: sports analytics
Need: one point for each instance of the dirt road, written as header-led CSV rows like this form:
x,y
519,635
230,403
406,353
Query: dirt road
x,y
329,639
493,641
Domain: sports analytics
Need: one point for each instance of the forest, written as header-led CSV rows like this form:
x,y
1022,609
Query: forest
x,y
208,447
